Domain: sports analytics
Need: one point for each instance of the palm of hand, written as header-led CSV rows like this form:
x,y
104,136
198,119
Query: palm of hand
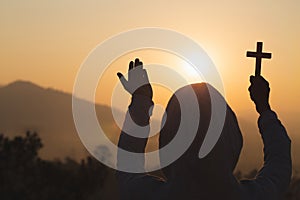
x,y
138,81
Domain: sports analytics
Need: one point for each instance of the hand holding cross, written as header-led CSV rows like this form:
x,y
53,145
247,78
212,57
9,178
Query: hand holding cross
x,y
259,88
258,55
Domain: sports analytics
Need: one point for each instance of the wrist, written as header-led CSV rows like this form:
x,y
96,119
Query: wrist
x,y
140,108
263,108
145,90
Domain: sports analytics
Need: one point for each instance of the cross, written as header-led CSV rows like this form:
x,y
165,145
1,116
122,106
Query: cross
x,y
258,55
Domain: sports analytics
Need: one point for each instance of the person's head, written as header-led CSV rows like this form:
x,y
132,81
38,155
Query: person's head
x,y
222,159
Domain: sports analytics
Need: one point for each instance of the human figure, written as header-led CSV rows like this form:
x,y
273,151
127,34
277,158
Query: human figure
x,y
211,177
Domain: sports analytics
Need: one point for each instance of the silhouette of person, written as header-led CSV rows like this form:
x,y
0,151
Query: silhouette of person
x,y
211,177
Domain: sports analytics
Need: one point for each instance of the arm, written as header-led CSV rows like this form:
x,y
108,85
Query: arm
x,y
134,136
273,179
275,175
136,122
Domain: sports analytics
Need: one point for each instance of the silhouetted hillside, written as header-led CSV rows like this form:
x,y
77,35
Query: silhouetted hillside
x,y
26,106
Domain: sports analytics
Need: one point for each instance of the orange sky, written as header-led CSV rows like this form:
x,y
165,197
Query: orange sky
x,y
45,42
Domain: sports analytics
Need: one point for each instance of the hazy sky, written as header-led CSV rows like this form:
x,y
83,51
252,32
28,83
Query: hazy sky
x,y
46,41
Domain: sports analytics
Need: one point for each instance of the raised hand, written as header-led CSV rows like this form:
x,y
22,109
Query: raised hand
x,y
138,82
259,93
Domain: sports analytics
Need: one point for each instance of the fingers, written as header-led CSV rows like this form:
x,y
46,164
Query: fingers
x,y
141,65
258,80
122,79
137,63
137,78
252,79
119,74
131,65
264,81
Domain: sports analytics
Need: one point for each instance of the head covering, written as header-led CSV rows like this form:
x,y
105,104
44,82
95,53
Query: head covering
x,y
217,167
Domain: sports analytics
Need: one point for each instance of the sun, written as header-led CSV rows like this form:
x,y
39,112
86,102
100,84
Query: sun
x,y
189,72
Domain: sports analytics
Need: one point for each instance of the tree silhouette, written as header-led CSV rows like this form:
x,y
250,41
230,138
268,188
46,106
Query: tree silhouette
x,y
23,175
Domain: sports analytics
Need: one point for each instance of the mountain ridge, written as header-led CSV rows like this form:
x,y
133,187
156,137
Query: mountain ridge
x,y
27,106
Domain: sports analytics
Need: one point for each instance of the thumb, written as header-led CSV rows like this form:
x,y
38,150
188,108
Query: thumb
x,y
122,79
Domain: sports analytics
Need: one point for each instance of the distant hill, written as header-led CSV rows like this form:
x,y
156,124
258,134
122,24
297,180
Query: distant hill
x,y
27,106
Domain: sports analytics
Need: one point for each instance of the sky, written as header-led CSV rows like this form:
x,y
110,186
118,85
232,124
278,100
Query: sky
x,y
46,42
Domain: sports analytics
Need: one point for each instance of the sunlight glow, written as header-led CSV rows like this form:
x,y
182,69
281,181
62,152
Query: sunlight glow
x,y
188,71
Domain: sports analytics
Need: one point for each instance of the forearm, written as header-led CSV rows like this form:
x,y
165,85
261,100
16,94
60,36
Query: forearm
x,y
277,169
135,131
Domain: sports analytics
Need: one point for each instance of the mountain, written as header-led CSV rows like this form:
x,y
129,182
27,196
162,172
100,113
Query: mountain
x,y
27,106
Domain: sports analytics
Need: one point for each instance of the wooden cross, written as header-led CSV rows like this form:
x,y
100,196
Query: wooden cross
x,y
258,55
